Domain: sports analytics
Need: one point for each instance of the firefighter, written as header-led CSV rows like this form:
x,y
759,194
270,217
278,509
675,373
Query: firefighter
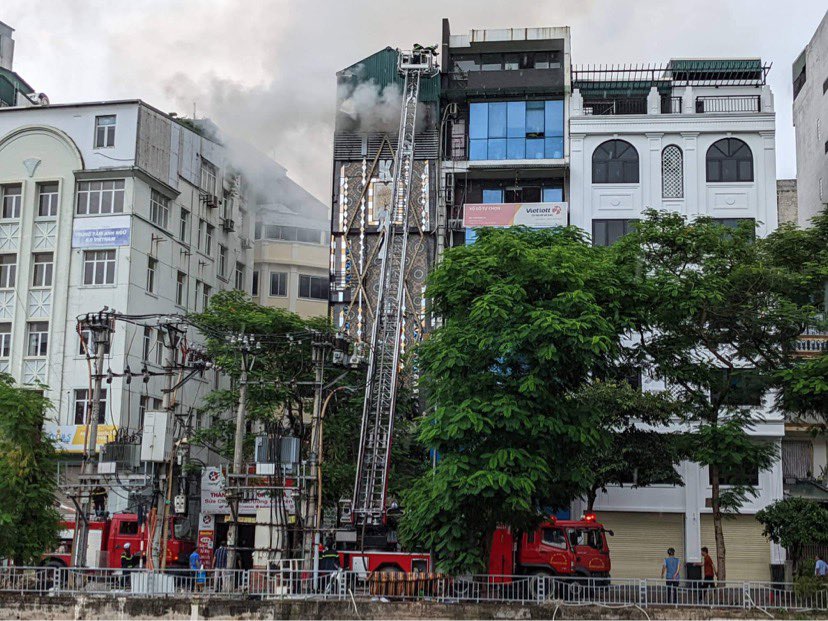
x,y
128,559
328,561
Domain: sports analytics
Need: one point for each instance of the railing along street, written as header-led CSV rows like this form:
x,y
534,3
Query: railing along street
x,y
290,583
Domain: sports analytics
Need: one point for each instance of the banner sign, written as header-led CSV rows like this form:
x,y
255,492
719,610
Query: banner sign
x,y
534,215
214,501
101,232
72,438
206,539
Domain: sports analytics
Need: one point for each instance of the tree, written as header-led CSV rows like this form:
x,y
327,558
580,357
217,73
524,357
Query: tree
x,y
715,319
638,450
527,315
794,523
29,520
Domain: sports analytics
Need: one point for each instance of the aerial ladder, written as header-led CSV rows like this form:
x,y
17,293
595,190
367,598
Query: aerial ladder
x,y
368,506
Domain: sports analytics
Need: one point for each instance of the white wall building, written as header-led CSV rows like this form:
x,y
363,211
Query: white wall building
x,y
696,137
110,204
810,117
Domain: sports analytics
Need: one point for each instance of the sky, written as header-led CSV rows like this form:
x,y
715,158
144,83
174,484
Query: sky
x,y
265,69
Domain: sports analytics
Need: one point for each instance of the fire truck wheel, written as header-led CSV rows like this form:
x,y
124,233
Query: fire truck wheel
x,y
461,586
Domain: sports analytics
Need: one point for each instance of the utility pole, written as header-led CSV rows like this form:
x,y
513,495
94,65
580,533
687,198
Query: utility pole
x,y
234,496
311,528
168,403
98,326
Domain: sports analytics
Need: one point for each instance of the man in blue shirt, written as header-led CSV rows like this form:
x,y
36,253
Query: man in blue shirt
x,y
821,567
670,572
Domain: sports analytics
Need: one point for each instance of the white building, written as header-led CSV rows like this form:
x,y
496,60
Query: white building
x,y
110,204
698,138
810,116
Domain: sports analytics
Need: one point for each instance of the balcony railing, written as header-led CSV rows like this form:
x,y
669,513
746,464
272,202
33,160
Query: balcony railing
x,y
601,107
728,103
670,105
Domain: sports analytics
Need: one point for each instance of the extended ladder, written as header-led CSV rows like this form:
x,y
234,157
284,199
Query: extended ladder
x,y
369,500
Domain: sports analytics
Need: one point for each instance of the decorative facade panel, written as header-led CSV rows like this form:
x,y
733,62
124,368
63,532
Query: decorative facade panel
x,y
7,304
40,303
44,235
9,236
34,371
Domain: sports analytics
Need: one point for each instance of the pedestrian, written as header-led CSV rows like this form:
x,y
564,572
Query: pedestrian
x,y
821,567
128,562
670,572
195,564
708,571
220,566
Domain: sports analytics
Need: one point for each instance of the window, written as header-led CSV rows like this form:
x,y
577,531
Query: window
x,y
147,343
207,291
208,177
729,160
104,131
288,233
254,289
180,288
607,232
47,200
735,223
198,286
99,267
85,342
8,270
152,267
159,209
202,226
12,195
208,239
278,283
5,340
736,476
128,528
42,269
38,338
314,287
145,402
83,406
744,387
554,537
672,172
238,283
222,262
615,161
159,347
516,130
100,197
184,225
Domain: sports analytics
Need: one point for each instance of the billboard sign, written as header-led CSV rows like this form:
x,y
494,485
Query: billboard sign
x,y
534,215
214,500
101,232
72,438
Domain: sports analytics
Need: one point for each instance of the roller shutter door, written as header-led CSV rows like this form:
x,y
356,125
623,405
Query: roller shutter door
x,y
640,543
748,552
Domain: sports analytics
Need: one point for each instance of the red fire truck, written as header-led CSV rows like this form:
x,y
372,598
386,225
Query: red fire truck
x,y
555,548
107,539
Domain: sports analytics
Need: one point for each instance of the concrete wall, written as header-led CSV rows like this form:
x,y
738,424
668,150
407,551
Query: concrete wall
x,y
786,200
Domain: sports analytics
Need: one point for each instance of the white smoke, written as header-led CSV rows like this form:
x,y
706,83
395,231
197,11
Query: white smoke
x,y
367,108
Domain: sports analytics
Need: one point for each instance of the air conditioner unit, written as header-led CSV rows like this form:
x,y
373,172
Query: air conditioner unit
x,y
228,225
210,200
246,244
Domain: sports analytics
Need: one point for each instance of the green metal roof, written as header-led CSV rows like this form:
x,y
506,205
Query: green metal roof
x,y
10,84
717,69
381,67
624,88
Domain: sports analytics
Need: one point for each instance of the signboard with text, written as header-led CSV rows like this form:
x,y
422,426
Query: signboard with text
x,y
214,501
72,438
101,232
534,215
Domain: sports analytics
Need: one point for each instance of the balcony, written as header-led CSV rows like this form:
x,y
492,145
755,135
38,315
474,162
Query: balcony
x,y
812,343
629,105
728,104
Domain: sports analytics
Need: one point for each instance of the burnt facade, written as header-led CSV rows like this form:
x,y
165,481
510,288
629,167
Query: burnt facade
x,y
365,143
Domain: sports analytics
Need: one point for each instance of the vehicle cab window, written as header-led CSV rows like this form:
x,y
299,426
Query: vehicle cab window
x,y
128,528
554,537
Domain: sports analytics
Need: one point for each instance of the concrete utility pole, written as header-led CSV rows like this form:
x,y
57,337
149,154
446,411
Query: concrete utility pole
x,y
168,403
311,527
238,454
98,326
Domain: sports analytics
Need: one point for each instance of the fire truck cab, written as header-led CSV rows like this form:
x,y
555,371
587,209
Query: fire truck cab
x,y
106,541
556,547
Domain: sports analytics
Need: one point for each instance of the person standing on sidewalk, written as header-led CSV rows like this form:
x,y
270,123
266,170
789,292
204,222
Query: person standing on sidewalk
x,y
708,571
670,572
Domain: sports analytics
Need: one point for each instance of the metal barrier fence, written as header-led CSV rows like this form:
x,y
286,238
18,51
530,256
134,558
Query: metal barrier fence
x,y
288,583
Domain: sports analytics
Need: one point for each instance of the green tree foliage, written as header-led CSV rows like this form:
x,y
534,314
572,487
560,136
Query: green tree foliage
x,y
29,520
637,450
794,523
527,316
716,319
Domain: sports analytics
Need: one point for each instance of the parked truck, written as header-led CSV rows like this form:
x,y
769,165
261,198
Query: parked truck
x,y
107,538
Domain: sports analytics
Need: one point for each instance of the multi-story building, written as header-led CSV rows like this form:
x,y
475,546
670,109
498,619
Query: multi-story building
x,y
504,97
292,247
810,117
365,141
110,204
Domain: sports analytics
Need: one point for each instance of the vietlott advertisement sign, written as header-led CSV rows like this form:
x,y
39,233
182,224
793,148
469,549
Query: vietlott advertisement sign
x,y
534,215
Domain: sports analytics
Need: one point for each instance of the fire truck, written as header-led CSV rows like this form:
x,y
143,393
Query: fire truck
x,y
107,538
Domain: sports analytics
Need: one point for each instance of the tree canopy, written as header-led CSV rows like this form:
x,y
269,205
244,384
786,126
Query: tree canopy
x,y
794,523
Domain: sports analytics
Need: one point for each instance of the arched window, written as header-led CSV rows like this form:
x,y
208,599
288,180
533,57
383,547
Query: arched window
x,y
729,159
672,172
615,161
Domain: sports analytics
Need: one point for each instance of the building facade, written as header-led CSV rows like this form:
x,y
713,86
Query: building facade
x,y
292,246
117,205
810,117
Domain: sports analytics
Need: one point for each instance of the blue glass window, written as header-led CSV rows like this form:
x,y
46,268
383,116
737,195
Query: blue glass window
x,y
515,149
497,121
497,149
554,148
534,119
552,195
534,148
516,119
493,196
516,130
478,121
478,149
